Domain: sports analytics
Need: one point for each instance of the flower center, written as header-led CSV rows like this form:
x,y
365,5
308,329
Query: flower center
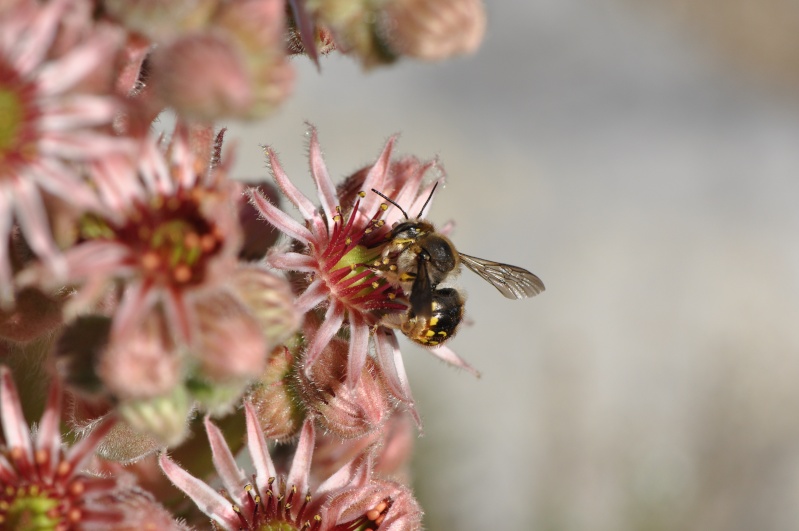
x,y
170,238
10,118
28,508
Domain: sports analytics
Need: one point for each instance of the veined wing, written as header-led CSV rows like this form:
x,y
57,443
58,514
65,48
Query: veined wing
x,y
513,282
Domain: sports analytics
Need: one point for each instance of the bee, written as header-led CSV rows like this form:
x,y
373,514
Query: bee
x,y
418,258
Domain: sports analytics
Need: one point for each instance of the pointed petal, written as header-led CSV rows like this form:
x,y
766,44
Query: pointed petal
x,y
207,499
422,199
32,218
15,428
75,111
48,439
232,476
313,295
306,26
358,350
38,37
447,354
324,186
279,219
180,314
6,284
138,298
57,76
390,358
292,262
259,452
375,178
301,465
332,323
292,193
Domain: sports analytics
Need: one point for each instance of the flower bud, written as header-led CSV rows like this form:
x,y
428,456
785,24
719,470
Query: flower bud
x,y
143,363
165,418
347,412
432,29
161,20
274,398
223,322
203,76
269,300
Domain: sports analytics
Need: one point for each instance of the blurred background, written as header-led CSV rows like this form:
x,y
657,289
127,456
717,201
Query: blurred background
x,y
641,157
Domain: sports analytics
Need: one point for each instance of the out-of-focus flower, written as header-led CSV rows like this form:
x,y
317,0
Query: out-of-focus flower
x,y
44,485
432,29
340,409
391,445
168,231
161,20
336,242
381,32
350,499
235,67
55,112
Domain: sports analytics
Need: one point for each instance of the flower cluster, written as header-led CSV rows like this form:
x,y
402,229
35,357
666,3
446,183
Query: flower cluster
x,y
150,290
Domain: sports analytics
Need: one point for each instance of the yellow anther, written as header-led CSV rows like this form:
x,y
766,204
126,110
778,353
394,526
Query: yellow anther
x,y
383,207
361,194
433,321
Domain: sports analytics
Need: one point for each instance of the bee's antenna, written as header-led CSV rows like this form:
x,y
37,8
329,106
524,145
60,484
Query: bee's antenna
x,y
393,203
429,197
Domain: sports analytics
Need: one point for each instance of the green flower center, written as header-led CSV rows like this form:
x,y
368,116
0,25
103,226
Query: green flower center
x,y
28,509
277,526
11,115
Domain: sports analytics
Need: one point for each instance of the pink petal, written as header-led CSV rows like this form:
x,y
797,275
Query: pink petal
x,y
408,192
48,439
259,453
375,179
358,350
58,76
15,428
301,465
354,474
290,261
138,298
313,295
81,144
292,193
324,186
224,462
36,41
51,175
447,354
279,219
390,358
423,195
207,499
6,285
179,314
76,111
332,323
32,218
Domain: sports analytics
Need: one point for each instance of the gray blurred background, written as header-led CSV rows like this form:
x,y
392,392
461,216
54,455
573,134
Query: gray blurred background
x,y
641,157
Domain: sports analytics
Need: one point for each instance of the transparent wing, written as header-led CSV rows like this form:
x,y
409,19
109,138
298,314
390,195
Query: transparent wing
x,y
513,282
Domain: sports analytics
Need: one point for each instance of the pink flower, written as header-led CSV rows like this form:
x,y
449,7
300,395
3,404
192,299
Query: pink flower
x,y
349,499
167,232
336,241
47,124
44,485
